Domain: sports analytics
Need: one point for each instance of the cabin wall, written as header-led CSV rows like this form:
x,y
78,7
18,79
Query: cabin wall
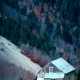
x,y
70,76
46,68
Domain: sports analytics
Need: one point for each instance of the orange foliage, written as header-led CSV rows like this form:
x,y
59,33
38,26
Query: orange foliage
x,y
37,11
35,33
53,10
35,57
50,18
32,58
39,60
29,73
64,56
30,76
26,79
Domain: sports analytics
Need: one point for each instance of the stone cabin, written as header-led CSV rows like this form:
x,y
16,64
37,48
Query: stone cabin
x,y
58,69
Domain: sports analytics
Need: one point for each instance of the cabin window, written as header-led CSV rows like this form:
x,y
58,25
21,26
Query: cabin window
x,y
51,69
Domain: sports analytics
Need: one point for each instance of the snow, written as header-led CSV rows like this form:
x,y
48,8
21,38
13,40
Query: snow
x,y
11,53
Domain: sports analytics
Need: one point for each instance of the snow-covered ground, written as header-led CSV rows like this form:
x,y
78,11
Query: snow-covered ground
x,y
11,53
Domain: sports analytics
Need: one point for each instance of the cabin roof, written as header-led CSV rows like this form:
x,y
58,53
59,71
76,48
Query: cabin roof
x,y
63,65
40,78
57,75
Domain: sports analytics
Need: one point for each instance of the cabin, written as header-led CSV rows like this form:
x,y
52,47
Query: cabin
x,y
58,69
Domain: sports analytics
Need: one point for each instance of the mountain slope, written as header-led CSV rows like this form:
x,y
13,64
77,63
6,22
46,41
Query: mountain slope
x,y
11,53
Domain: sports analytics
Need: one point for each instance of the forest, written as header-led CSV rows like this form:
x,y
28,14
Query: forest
x,y
50,26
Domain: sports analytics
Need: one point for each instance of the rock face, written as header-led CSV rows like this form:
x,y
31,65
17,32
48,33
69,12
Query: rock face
x,y
11,53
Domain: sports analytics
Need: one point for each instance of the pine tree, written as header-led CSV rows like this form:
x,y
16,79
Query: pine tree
x,y
78,78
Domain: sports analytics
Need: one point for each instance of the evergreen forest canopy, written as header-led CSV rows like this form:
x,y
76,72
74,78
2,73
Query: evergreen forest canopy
x,y
69,10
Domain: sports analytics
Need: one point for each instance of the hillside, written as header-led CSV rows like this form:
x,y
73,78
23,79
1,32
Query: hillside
x,y
49,27
9,71
11,54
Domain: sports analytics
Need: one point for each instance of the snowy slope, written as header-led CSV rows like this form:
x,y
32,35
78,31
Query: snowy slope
x,y
11,53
